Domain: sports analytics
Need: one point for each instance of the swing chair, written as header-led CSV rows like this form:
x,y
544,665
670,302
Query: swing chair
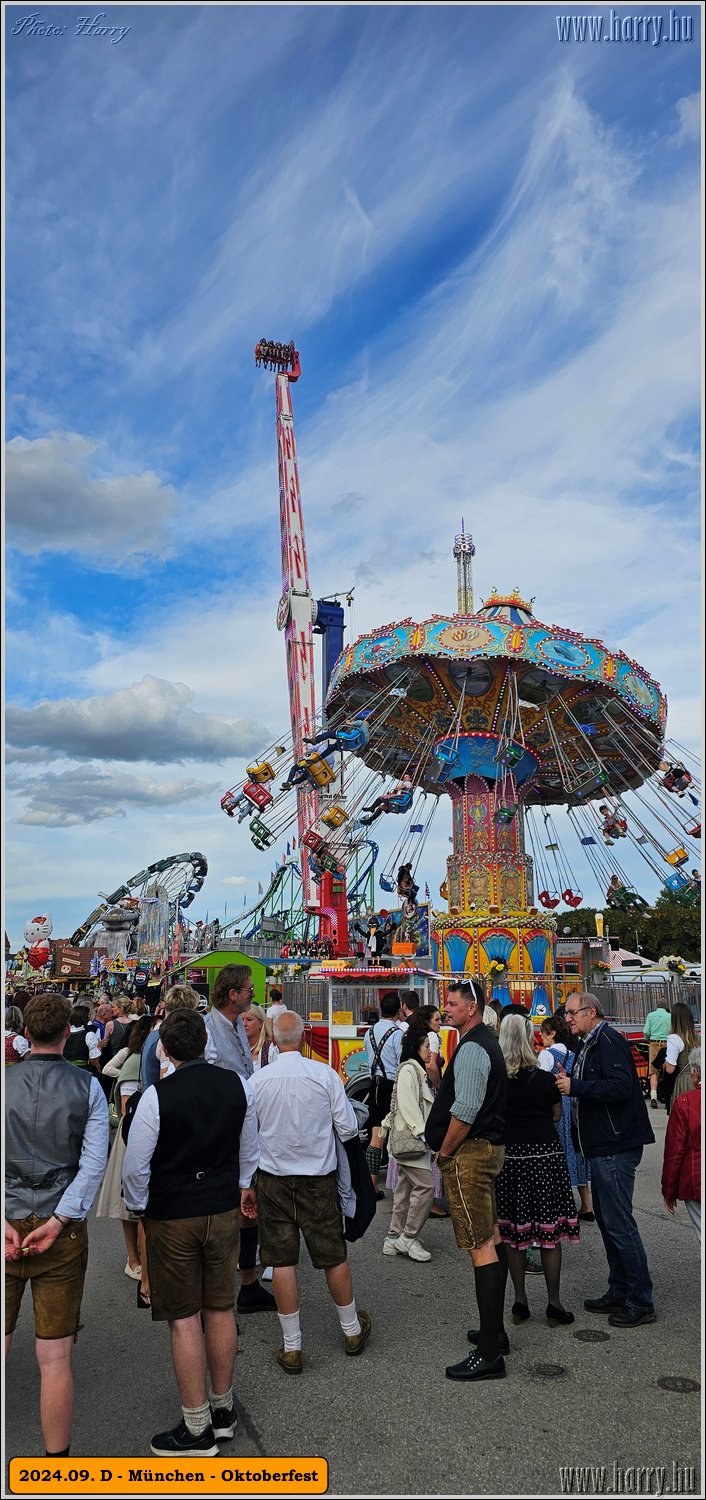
x,y
572,898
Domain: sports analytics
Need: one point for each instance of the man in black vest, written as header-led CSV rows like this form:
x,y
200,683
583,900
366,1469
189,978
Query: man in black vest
x,y
466,1126
190,1158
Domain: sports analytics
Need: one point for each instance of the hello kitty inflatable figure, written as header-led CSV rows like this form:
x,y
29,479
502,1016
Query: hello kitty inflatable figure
x,y
39,927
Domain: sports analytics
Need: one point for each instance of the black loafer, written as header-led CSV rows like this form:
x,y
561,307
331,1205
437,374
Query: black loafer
x,y
474,1367
632,1317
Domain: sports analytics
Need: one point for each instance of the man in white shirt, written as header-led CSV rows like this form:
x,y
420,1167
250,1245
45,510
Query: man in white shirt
x,y
301,1108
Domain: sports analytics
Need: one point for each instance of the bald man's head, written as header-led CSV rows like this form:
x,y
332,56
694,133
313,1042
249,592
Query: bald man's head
x,y
288,1029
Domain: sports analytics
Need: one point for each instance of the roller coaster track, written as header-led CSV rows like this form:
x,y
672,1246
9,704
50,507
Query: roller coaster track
x,y
246,922
243,922
354,891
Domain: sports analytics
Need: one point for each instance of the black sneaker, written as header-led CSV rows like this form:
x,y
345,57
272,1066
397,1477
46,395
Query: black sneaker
x,y
632,1317
224,1422
255,1298
181,1443
604,1304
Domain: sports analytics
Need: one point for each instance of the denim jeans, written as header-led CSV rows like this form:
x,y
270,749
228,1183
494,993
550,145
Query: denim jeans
x,y
612,1185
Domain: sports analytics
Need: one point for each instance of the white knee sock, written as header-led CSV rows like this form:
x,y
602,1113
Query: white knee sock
x,y
291,1330
348,1319
197,1418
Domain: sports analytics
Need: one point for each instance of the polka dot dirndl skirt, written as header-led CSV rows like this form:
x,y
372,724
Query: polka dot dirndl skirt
x,y
535,1201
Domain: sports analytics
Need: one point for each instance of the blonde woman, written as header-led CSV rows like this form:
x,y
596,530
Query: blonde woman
x,y
682,1038
258,1029
535,1202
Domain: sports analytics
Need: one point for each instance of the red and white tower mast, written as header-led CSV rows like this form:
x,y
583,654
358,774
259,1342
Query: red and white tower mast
x,y
296,614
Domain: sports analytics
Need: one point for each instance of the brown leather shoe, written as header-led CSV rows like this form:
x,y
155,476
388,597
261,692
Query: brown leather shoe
x,y
290,1360
355,1342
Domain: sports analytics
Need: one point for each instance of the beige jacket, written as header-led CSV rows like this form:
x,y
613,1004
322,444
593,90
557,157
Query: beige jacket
x,y
409,1076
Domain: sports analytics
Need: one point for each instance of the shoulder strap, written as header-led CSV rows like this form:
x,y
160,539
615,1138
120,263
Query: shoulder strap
x,y
421,1094
377,1051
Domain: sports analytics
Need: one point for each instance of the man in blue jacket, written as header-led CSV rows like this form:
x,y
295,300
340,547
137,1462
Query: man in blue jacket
x,y
611,1126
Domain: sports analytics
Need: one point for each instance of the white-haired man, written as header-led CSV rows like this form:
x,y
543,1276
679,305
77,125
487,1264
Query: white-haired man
x,y
301,1107
609,1116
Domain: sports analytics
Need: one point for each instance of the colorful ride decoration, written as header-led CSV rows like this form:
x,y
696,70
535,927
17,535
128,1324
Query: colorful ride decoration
x,y
514,714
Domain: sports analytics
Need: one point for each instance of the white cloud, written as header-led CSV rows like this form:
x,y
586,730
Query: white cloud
x,y
56,502
150,721
689,112
86,795
235,880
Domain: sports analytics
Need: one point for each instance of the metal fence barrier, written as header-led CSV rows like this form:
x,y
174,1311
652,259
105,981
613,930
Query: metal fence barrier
x,y
625,1002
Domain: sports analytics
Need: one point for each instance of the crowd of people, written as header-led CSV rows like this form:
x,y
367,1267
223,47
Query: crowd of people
x,y
504,1135
497,1138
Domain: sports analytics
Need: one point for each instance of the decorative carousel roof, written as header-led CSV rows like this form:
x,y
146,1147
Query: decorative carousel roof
x,y
569,699
511,608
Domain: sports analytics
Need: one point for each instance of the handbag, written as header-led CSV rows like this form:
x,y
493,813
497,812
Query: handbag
x,y
114,1115
403,1144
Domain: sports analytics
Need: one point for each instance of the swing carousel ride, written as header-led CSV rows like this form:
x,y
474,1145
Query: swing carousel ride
x,y
539,736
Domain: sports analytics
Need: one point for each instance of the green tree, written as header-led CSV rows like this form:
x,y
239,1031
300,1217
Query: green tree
x,y
667,927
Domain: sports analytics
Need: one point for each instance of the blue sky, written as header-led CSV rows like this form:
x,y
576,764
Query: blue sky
x,y
484,242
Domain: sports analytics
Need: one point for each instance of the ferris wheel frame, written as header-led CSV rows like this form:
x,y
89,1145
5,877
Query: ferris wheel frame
x,y
182,875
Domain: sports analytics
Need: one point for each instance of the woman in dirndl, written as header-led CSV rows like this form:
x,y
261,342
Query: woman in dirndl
x,y
533,1190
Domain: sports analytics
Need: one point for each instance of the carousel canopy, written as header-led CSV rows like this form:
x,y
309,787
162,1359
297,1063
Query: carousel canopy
x,y
581,712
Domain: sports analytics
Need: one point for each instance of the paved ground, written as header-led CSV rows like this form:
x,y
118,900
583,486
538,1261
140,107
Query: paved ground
x,y
389,1422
